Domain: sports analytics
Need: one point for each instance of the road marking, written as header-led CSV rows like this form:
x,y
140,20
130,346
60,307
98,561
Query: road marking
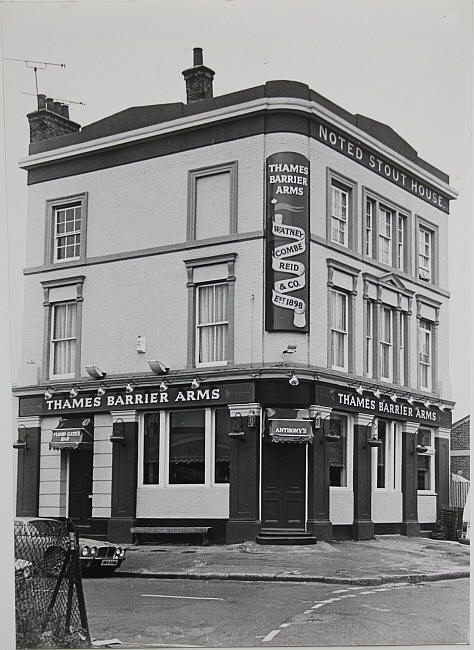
x,y
340,591
185,597
285,625
271,635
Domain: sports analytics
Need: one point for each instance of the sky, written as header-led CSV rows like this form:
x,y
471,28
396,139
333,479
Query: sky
x,y
406,63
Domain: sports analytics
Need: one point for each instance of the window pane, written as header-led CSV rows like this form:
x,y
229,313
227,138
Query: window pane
x,y
336,452
151,449
381,453
423,472
222,446
187,447
212,324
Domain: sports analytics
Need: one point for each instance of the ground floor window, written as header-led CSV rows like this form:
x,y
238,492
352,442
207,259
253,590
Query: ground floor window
x,y
386,461
425,460
185,447
336,450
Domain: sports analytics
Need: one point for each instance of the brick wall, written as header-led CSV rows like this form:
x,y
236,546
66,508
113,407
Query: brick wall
x,y
460,441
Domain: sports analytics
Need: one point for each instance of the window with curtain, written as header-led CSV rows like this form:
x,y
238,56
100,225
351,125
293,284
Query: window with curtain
x,y
151,449
336,451
385,236
386,344
382,455
385,233
425,254
339,330
223,425
187,447
212,323
63,339
425,354
369,338
402,360
369,227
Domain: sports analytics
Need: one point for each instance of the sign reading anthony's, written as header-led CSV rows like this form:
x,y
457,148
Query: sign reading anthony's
x,y
287,243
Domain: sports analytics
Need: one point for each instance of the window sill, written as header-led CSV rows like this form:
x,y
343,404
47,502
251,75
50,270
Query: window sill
x,y
212,364
197,486
426,493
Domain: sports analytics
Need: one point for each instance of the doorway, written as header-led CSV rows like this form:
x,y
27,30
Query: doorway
x,y
80,484
283,485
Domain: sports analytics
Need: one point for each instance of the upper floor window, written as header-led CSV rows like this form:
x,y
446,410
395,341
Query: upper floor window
x,y
66,229
386,344
425,354
212,324
339,215
425,254
369,339
385,234
402,349
63,340
341,210
212,201
339,329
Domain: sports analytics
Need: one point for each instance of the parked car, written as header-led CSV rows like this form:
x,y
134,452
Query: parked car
x,y
42,544
99,556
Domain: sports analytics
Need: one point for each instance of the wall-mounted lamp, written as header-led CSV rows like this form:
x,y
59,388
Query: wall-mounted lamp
x,y
442,407
394,397
163,386
359,389
290,349
373,434
317,420
129,388
293,380
427,404
251,420
328,429
377,393
195,383
237,430
120,435
157,367
73,392
101,391
411,400
95,372
48,393
21,443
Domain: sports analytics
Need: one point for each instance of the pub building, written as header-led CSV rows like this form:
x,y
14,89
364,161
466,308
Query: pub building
x,y
236,319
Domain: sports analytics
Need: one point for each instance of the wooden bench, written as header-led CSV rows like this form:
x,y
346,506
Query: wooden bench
x,y
172,530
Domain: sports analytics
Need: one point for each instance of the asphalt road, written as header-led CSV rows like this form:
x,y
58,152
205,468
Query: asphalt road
x,y
150,612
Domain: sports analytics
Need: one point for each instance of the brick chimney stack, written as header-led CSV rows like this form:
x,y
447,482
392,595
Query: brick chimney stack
x,y
198,79
50,120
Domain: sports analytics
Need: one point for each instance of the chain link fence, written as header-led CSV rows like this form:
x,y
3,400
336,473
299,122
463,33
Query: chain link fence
x,y
49,600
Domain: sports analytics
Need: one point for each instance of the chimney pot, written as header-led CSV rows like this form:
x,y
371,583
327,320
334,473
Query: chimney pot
x,y
57,107
65,111
41,102
49,104
197,59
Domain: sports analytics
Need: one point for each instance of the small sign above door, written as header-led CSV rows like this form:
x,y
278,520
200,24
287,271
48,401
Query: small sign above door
x,y
291,430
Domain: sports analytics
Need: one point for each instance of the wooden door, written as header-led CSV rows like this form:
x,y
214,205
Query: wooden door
x,y
80,484
283,485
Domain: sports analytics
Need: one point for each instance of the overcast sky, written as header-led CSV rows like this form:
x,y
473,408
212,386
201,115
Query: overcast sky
x,y
406,63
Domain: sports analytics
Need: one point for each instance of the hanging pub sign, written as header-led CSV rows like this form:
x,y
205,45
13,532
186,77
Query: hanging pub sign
x,y
290,430
287,243
72,433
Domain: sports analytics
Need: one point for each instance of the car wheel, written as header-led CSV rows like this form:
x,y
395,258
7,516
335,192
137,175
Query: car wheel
x,y
53,561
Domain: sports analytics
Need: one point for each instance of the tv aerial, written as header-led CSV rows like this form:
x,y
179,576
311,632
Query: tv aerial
x,y
35,66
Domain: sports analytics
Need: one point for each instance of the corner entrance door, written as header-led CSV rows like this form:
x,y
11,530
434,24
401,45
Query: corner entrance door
x,y
80,484
283,485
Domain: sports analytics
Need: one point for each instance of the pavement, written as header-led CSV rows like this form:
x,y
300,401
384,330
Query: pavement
x,y
386,558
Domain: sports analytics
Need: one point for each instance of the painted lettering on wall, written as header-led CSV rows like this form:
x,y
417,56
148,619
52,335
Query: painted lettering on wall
x,y
287,252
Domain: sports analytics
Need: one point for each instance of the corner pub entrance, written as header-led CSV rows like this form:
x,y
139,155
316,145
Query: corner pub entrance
x,y
252,459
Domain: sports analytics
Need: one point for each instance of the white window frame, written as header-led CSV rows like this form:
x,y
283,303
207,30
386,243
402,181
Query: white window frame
x,y
369,338
201,326
402,366
391,465
349,420
343,332
338,218
385,234
53,342
53,207
431,455
425,253
370,212
394,233
386,343
76,233
422,363
163,471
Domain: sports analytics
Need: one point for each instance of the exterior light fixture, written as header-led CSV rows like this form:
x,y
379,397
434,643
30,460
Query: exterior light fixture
x,y
359,389
317,420
442,407
120,435
373,434
290,349
195,383
377,393
73,392
293,380
427,404
394,397
129,388
251,420
157,367
411,400
48,393
19,442
163,386
237,430
101,391
95,372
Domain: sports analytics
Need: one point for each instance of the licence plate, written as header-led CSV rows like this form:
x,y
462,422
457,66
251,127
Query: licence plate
x,y
109,563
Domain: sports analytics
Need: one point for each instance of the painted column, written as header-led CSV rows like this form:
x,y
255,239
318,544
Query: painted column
x,y
363,526
410,525
28,467
244,497
442,437
124,476
319,524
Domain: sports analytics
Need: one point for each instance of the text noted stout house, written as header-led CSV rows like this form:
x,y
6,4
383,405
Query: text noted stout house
x,y
237,317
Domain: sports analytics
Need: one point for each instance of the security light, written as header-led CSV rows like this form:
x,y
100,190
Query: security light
x,y
195,383
48,393
101,391
158,367
359,389
163,386
73,392
95,372
129,388
377,393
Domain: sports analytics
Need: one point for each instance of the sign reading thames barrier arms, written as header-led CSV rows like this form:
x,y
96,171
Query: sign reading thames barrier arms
x,y
287,243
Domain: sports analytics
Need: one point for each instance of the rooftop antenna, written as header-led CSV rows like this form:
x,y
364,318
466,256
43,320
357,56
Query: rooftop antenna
x,y
56,99
36,65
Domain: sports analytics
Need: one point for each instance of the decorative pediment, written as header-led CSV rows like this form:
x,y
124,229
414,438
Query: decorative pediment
x,y
393,280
